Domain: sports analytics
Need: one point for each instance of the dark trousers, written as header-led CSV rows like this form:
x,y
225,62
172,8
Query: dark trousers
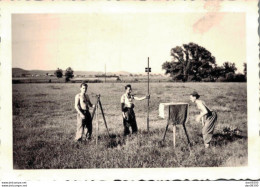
x,y
129,121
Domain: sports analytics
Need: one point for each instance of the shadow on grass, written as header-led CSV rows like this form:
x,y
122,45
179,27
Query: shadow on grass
x,y
219,139
110,141
115,140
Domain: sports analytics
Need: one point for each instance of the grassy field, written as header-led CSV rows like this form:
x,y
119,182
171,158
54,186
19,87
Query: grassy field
x,y
44,125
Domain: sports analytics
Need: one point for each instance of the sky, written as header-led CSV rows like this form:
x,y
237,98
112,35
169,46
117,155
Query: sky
x,y
122,41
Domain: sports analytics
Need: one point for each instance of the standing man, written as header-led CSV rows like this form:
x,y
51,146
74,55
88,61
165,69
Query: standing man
x,y
127,107
82,104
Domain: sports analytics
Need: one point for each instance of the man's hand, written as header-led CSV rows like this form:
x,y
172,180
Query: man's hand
x,y
93,106
82,116
147,97
123,115
198,119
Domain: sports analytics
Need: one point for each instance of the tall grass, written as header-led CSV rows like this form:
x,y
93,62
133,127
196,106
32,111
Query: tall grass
x,y
44,125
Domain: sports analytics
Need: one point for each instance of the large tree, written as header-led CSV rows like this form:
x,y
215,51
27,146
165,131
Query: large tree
x,y
69,73
191,62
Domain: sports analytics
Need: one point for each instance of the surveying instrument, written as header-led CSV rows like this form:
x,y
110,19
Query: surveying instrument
x,y
95,111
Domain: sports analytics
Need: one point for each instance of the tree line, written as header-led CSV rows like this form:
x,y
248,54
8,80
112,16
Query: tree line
x,y
69,73
192,62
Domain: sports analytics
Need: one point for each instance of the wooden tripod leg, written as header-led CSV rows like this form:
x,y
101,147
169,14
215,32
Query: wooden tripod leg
x,y
185,130
168,121
102,112
166,129
165,132
94,110
174,133
82,131
97,126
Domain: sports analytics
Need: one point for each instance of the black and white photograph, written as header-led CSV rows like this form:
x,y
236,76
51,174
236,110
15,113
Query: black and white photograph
x,y
130,85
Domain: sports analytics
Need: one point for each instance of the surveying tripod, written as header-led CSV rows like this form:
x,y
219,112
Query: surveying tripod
x,y
99,105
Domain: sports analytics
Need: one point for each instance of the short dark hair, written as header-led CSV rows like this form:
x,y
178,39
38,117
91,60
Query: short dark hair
x,y
128,86
83,84
195,94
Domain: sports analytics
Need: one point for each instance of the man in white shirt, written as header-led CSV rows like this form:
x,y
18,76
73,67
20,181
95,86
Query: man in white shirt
x,y
127,107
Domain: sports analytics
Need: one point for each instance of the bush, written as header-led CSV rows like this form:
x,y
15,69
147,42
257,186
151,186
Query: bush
x,y
230,77
16,81
221,79
208,79
240,78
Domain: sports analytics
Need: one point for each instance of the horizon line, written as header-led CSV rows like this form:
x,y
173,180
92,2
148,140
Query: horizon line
x,y
90,71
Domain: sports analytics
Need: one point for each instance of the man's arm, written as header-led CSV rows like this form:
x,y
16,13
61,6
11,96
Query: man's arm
x,y
142,98
89,102
203,111
123,105
77,106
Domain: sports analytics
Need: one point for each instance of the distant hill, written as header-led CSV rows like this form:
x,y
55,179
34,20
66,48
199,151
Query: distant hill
x,y
18,72
41,72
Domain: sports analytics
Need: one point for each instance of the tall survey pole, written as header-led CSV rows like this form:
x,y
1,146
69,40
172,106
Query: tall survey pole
x,y
105,73
148,70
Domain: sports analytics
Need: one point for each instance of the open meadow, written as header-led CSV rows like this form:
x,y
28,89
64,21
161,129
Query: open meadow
x,y
44,126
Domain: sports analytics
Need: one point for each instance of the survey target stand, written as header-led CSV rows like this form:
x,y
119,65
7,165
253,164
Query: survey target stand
x,y
96,111
177,115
